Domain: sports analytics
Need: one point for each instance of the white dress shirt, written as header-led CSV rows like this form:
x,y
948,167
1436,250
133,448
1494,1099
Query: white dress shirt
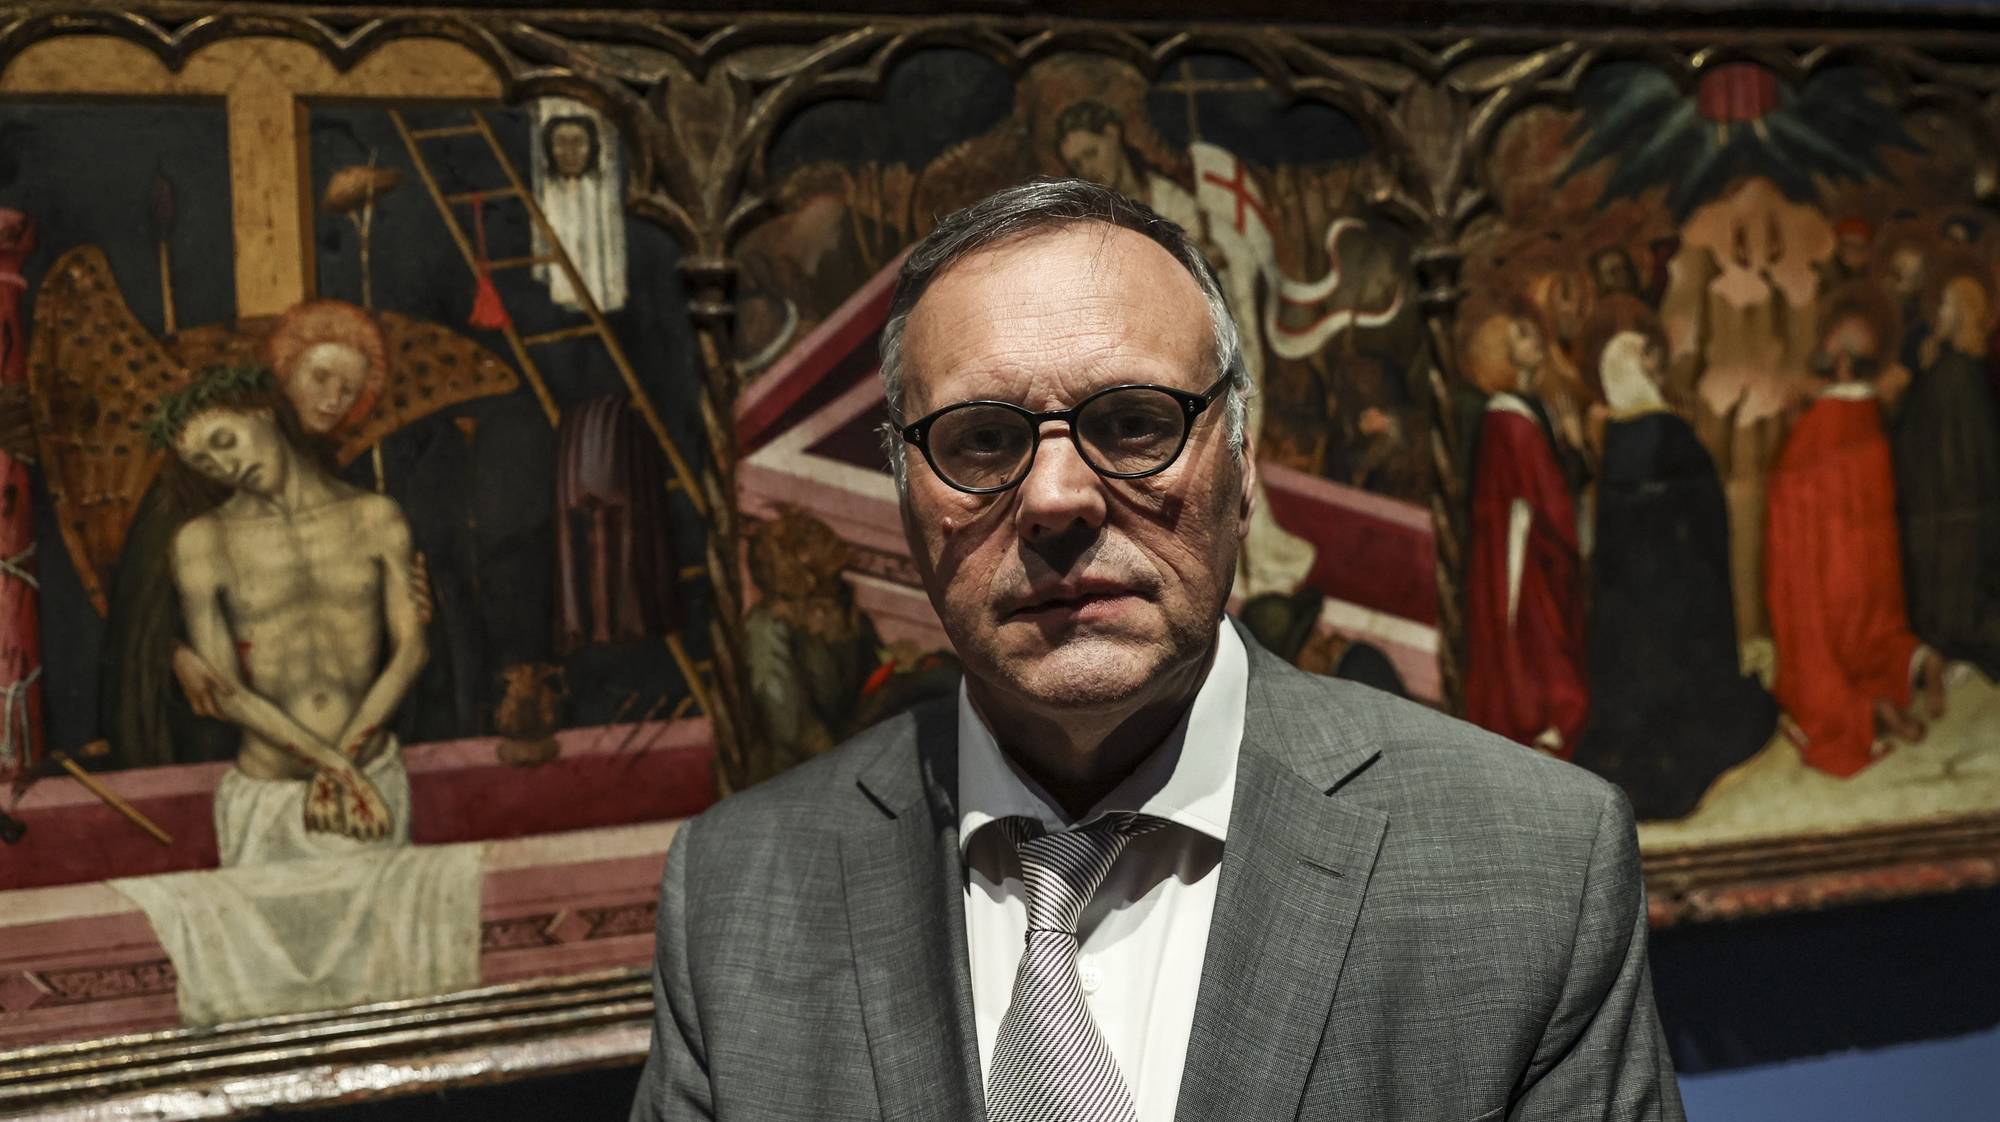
x,y
1146,931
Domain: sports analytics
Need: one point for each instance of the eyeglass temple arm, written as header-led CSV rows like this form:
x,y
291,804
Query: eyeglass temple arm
x,y
1209,395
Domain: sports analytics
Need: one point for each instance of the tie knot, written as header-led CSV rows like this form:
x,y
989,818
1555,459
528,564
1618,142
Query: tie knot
x,y
1063,870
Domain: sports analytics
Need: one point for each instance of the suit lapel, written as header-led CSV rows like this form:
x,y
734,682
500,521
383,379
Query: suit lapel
x,y
905,888
1294,872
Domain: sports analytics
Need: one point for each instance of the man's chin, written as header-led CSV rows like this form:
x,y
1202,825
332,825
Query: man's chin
x,y
1087,671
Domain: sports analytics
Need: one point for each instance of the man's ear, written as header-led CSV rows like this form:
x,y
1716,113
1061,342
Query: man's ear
x,y
1247,502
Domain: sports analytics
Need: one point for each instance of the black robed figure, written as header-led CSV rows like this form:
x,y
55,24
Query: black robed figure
x,y
1671,708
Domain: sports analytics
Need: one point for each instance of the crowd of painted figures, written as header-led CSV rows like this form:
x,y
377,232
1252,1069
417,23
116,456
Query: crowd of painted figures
x,y
1744,481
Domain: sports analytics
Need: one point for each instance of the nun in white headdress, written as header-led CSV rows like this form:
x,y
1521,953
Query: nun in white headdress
x,y
579,183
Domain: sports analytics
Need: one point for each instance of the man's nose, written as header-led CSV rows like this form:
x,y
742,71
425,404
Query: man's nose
x,y
1060,494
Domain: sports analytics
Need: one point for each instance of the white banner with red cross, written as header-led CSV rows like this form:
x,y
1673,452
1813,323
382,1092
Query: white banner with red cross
x,y
1301,316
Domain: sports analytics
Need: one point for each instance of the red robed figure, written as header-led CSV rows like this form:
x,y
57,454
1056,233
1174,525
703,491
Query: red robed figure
x,y
1833,576
1525,675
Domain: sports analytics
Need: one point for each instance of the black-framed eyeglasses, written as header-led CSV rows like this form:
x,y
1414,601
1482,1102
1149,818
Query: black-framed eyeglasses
x,y
1122,432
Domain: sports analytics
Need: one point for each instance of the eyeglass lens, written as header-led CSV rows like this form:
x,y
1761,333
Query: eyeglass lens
x,y
1128,431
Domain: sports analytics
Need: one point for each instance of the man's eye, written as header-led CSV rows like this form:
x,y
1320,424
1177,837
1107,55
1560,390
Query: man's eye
x,y
989,440
1132,426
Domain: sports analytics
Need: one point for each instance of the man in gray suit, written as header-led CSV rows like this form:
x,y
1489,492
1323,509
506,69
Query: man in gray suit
x,y
1139,869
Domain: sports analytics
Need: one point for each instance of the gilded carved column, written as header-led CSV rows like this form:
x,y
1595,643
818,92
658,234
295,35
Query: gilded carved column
x,y
1429,192
711,283
1437,268
706,127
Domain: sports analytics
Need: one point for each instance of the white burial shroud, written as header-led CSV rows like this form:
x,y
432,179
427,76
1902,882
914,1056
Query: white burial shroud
x,y
298,921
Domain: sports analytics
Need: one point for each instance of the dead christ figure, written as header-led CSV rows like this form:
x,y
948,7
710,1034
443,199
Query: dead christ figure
x,y
297,593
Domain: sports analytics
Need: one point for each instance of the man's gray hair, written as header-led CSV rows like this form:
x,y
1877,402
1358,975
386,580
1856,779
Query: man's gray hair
x,y
1039,207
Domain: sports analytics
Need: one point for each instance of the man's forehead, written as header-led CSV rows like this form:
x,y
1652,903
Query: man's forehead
x,y
1072,298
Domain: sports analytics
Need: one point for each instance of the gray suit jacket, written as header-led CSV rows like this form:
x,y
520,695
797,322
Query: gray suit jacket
x,y
1416,920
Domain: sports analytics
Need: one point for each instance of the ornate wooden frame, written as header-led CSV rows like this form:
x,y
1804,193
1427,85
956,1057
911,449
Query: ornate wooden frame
x,y
701,95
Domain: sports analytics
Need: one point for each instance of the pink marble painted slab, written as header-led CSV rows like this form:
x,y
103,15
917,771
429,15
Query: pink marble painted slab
x,y
603,776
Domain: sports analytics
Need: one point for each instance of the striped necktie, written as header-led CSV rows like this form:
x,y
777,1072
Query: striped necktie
x,y
1050,1063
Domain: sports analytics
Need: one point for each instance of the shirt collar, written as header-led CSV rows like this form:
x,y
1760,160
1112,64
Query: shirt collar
x,y
1190,779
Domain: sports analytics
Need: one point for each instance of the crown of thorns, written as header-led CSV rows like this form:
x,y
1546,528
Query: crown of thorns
x,y
214,385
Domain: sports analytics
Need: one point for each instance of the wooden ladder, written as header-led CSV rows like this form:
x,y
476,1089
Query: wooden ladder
x,y
683,480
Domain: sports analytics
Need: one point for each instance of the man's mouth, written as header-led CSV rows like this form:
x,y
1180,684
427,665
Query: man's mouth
x,y
1093,601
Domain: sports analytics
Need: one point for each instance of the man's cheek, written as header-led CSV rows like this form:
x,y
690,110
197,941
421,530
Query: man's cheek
x,y
1189,555
951,535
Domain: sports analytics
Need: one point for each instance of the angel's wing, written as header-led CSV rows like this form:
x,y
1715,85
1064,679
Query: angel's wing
x,y
94,372
220,344
430,367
